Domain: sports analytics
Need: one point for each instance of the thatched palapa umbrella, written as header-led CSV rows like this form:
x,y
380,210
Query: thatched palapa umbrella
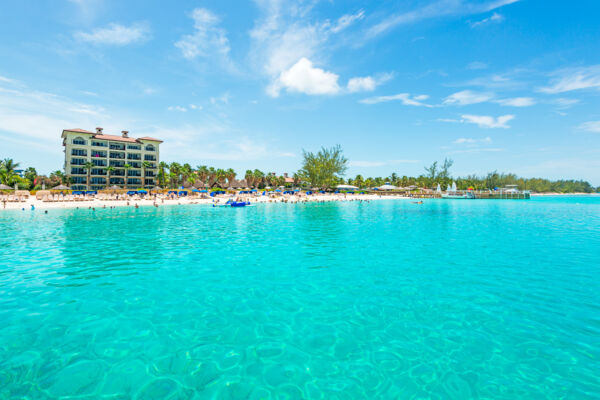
x,y
61,187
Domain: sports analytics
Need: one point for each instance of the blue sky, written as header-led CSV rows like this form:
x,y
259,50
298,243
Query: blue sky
x,y
507,85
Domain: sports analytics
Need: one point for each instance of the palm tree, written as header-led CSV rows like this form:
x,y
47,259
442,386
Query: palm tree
x,y
230,174
145,164
221,177
8,176
212,177
127,168
249,177
109,171
174,172
258,177
162,176
88,166
9,165
202,173
186,171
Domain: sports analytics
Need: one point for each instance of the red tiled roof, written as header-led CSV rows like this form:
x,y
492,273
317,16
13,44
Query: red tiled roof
x,y
116,138
150,138
289,180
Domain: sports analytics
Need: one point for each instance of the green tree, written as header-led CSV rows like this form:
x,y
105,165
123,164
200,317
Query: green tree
x,y
109,171
88,166
162,173
324,168
127,168
145,166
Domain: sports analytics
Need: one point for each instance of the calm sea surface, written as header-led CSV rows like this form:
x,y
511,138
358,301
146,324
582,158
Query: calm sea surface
x,y
451,299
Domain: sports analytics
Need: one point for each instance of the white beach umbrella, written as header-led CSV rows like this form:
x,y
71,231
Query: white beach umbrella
x,y
387,187
346,187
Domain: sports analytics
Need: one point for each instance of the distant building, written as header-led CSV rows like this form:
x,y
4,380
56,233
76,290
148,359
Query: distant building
x,y
102,151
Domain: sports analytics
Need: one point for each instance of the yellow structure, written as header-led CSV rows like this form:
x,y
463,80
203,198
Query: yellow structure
x,y
88,155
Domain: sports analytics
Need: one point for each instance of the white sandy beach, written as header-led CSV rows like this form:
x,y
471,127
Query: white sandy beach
x,y
150,201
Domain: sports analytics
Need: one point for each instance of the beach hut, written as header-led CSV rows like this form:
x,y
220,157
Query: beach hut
x,y
387,186
346,187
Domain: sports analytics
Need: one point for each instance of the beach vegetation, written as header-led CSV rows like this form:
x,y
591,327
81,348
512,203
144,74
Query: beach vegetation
x,y
325,168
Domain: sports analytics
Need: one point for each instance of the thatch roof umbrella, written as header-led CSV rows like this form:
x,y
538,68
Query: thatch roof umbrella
x,y
114,187
5,187
61,187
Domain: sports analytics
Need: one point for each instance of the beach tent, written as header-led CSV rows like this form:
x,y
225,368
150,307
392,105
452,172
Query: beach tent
x,y
142,191
278,190
79,192
203,191
309,192
94,192
346,187
131,192
182,193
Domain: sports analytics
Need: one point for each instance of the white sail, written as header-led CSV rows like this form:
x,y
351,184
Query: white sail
x,y
454,186
439,189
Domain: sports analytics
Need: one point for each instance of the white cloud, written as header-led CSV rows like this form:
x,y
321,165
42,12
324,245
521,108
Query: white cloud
x,y
115,34
346,20
475,65
177,108
208,39
493,18
563,102
470,141
284,34
223,99
570,79
367,83
195,107
466,97
440,8
591,126
405,98
484,121
517,102
303,77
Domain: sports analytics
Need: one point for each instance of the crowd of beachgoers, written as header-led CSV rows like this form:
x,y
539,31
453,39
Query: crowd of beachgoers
x,y
101,200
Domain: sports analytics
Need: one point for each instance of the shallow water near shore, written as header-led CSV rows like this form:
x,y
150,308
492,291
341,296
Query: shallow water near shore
x,y
389,299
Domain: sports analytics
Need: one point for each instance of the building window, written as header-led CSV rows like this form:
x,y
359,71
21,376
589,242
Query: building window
x,y
135,164
77,171
78,179
96,153
99,163
78,187
114,163
133,181
150,148
99,144
134,147
98,171
117,181
79,152
134,156
150,173
120,156
149,157
117,146
78,161
134,172
118,172
97,187
79,140
149,182
99,181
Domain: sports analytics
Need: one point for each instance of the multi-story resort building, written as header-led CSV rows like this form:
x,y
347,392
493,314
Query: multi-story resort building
x,y
88,155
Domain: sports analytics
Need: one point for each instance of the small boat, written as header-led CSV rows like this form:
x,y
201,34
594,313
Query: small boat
x,y
239,203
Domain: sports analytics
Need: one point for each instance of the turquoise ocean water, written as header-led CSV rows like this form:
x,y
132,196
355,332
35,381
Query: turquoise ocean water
x,y
389,299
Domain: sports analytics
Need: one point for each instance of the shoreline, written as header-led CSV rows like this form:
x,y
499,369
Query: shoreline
x,y
159,202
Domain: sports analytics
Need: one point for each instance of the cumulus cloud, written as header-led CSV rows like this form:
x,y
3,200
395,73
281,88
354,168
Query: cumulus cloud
x,y
570,79
305,78
404,98
177,108
115,34
466,97
485,121
367,83
208,38
517,102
